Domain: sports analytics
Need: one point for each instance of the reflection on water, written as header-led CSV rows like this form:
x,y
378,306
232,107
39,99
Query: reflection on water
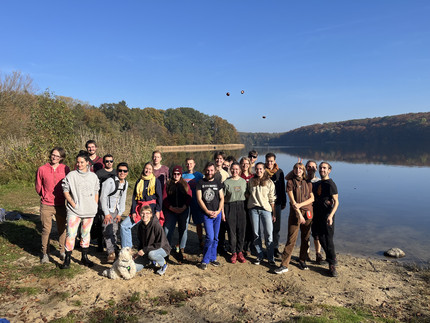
x,y
411,155
381,205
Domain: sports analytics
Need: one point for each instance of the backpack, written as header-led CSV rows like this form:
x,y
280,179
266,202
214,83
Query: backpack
x,y
117,186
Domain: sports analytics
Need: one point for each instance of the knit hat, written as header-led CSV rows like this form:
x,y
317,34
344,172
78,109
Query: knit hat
x,y
177,169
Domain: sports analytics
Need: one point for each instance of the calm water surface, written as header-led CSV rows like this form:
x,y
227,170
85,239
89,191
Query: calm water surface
x,y
381,206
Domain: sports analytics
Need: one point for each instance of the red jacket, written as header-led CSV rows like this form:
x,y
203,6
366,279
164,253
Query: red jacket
x,y
48,184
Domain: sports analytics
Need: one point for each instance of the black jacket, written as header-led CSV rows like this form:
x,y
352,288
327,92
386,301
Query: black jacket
x,y
152,236
279,181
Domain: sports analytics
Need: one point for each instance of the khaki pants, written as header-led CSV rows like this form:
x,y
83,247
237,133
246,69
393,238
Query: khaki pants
x,y
46,214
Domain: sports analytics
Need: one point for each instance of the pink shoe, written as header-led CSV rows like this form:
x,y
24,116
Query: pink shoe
x,y
241,258
233,258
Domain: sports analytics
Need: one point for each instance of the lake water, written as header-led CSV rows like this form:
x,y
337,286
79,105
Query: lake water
x,y
381,205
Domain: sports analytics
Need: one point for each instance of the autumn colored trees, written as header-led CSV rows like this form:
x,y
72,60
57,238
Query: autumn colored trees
x,y
31,124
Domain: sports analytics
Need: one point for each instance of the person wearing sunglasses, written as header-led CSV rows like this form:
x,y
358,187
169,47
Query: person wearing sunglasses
x,y
252,155
112,200
103,174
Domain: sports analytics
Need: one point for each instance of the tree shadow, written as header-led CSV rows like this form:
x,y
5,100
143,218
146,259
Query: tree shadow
x,y
24,233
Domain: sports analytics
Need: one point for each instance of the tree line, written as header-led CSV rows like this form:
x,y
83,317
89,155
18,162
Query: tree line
x,y
401,130
31,124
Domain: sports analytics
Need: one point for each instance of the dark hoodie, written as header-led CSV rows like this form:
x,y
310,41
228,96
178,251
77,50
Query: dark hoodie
x,y
152,236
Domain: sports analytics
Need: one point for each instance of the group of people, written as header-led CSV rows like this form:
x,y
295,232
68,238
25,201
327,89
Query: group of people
x,y
241,198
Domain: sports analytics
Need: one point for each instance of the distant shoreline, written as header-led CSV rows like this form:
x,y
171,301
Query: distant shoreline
x,y
190,148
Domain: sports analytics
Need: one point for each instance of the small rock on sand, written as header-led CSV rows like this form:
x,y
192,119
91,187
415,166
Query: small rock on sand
x,y
394,252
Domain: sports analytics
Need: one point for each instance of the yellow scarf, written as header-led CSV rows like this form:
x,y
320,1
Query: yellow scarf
x,y
273,171
151,186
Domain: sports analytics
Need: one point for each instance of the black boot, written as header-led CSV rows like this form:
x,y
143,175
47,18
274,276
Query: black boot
x,y
85,261
66,264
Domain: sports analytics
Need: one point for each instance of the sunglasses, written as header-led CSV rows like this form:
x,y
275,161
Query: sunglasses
x,y
255,157
176,174
108,161
122,171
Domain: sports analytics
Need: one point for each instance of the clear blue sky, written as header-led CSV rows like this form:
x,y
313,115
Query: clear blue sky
x,y
299,62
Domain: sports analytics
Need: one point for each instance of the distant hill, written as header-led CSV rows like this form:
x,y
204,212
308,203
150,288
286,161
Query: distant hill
x,y
402,129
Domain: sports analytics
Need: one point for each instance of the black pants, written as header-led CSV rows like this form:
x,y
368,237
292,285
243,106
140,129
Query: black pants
x,y
324,233
236,224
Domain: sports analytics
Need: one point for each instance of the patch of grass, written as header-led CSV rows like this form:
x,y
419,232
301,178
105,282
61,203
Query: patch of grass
x,y
77,303
177,296
334,314
18,197
58,297
22,234
135,297
70,318
28,290
155,300
162,312
18,239
301,307
50,270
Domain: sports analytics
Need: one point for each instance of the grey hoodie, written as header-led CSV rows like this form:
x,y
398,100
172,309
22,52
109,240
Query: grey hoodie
x,y
83,187
115,202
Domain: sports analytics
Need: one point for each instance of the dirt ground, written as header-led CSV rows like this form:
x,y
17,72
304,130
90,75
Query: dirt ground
x,y
231,292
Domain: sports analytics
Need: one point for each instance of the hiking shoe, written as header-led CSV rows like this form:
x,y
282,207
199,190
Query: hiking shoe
x,y
319,259
111,258
215,263
303,265
281,270
272,263
44,259
257,261
162,270
241,258
203,266
62,256
233,258
333,271
182,254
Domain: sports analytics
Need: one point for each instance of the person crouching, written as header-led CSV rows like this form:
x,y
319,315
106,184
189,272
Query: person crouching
x,y
154,246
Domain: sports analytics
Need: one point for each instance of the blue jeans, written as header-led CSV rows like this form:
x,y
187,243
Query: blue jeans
x,y
157,255
258,214
196,212
211,242
170,224
125,231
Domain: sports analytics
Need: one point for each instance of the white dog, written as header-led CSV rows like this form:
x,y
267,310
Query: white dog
x,y
124,266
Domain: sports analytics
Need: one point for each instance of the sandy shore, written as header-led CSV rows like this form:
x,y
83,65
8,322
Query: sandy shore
x,y
231,292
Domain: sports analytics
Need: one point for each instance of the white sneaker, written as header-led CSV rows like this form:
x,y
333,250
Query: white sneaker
x,y
45,259
281,270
